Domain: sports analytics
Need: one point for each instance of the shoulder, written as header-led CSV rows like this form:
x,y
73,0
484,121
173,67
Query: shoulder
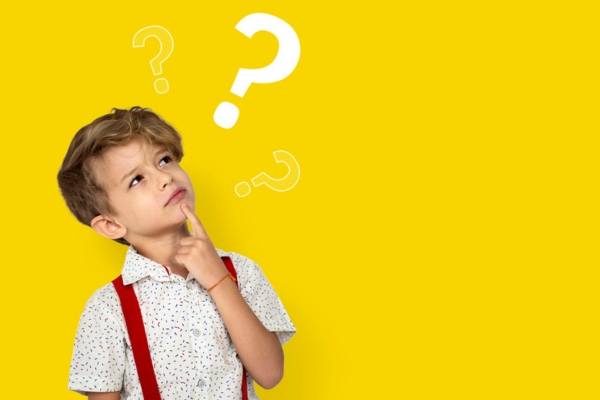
x,y
260,295
104,304
106,295
245,267
252,281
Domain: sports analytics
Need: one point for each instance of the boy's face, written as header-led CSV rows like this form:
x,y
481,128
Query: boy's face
x,y
145,188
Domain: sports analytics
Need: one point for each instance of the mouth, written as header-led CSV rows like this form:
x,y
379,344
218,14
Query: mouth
x,y
177,195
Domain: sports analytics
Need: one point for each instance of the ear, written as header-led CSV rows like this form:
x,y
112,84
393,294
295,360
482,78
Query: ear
x,y
108,227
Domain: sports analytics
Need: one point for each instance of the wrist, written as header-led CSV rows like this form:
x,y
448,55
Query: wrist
x,y
209,275
228,276
224,289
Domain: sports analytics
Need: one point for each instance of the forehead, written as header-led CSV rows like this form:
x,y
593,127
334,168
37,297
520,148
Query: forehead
x,y
133,148
114,162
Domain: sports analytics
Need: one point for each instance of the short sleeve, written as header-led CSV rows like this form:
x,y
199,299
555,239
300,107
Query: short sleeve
x,y
98,361
262,298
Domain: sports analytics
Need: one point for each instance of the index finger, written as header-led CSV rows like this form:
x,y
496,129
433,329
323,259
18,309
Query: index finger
x,y
197,226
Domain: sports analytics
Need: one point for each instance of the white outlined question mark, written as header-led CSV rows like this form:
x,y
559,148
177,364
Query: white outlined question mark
x,y
243,189
165,39
226,114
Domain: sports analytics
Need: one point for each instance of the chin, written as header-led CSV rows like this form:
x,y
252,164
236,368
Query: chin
x,y
181,218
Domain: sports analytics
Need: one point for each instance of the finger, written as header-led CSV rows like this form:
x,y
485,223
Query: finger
x,y
197,226
187,241
180,260
183,249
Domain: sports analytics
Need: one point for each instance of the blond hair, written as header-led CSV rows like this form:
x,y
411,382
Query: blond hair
x,y
82,191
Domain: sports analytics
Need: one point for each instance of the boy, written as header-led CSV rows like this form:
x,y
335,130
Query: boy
x,y
122,177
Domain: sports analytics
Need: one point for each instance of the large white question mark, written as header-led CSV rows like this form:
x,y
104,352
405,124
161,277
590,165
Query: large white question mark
x,y
280,185
165,39
226,114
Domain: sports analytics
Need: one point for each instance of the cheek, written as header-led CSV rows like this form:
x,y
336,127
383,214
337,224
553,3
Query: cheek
x,y
190,184
139,207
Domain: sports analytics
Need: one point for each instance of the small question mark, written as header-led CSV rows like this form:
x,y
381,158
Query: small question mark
x,y
285,61
280,185
165,39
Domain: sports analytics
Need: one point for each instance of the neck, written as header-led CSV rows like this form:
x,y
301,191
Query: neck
x,y
163,249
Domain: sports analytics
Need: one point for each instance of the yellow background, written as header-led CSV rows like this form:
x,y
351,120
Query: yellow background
x,y
442,242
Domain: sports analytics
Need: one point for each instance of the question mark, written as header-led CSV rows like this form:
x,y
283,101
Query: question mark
x,y
285,61
165,39
280,185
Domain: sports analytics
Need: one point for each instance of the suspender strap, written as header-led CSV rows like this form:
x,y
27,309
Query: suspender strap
x,y
137,336
231,269
139,342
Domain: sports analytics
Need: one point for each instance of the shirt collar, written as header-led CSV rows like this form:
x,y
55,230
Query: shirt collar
x,y
137,267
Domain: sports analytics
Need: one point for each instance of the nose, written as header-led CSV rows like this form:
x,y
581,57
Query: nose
x,y
164,179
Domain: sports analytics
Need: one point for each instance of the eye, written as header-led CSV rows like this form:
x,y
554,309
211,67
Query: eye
x,y
136,180
164,160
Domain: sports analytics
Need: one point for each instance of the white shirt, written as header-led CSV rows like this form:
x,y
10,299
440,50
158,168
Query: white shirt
x,y
193,356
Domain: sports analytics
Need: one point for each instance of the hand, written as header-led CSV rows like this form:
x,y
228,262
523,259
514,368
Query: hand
x,y
198,254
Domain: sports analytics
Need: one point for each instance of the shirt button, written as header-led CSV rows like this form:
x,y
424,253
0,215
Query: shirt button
x,y
196,333
189,284
200,383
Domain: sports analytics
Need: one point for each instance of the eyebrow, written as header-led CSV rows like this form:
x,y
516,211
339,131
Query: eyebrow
x,y
128,174
158,151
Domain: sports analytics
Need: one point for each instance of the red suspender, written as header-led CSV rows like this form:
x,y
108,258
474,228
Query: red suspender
x,y
137,336
139,342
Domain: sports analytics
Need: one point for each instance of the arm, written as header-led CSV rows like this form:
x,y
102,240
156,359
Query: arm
x,y
259,349
104,396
